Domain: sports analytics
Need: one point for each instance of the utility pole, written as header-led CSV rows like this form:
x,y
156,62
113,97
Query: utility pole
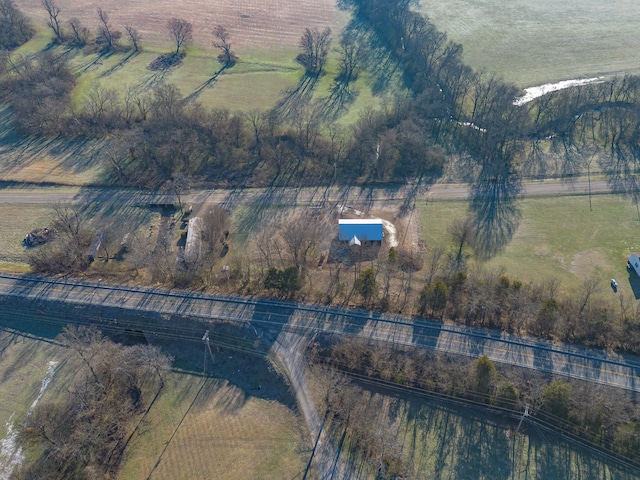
x,y
525,414
207,347
205,339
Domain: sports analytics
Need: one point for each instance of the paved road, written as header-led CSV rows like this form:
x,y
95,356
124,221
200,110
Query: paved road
x,y
573,361
282,196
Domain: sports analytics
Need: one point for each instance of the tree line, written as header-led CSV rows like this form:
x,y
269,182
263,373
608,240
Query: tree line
x,y
447,109
602,416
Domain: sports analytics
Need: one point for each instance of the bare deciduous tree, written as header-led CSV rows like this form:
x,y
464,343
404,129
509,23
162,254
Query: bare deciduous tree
x,y
222,43
181,32
315,48
80,33
134,37
462,232
53,23
350,52
16,28
302,235
106,35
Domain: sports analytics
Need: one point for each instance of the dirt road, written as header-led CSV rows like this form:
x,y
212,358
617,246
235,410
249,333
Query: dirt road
x,y
285,196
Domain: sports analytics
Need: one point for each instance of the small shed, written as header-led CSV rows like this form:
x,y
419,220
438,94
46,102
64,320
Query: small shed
x,y
94,248
358,230
634,262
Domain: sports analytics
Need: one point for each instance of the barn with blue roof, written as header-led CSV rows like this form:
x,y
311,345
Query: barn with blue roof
x,y
358,230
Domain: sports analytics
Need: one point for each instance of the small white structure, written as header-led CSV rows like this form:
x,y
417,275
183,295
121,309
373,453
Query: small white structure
x,y
192,245
634,262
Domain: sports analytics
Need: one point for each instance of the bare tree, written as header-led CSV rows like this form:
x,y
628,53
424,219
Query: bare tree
x,y
434,261
181,31
67,219
302,235
351,52
134,37
16,28
222,43
106,35
80,33
462,232
215,229
53,23
179,185
315,48
4,60
214,233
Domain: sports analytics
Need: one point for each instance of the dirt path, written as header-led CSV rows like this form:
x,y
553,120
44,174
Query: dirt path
x,y
391,233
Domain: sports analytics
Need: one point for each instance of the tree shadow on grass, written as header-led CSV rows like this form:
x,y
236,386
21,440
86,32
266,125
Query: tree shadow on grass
x,y
298,97
18,152
158,70
494,209
338,102
378,61
120,64
95,63
621,168
196,93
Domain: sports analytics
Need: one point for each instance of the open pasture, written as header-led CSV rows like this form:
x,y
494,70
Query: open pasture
x,y
532,43
558,237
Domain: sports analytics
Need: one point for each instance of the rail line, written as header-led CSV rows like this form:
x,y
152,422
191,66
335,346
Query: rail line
x,y
568,360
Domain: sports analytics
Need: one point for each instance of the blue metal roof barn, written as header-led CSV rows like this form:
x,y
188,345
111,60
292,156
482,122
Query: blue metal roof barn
x,y
369,230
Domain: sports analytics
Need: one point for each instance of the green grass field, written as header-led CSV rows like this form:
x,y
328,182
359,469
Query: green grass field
x,y
454,443
558,237
531,43
212,429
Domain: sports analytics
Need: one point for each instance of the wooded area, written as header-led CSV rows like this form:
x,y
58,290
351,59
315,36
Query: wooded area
x,y
448,110
86,435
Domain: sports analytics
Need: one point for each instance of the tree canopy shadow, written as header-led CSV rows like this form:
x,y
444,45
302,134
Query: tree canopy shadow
x,y
76,155
100,57
120,64
196,93
297,97
494,208
377,60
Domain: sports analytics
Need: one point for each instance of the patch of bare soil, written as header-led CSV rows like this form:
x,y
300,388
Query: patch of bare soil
x,y
585,263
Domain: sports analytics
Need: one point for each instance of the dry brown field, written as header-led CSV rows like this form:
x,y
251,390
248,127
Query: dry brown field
x,y
252,23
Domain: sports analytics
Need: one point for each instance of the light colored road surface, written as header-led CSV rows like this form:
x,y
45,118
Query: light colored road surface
x,y
283,196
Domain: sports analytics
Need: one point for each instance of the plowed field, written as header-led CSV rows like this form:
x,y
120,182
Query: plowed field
x,y
252,23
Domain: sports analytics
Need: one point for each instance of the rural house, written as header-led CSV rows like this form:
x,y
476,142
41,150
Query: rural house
x,y
634,262
358,231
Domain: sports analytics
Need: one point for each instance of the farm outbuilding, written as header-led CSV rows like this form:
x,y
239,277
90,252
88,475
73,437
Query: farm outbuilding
x,y
193,242
634,262
358,230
